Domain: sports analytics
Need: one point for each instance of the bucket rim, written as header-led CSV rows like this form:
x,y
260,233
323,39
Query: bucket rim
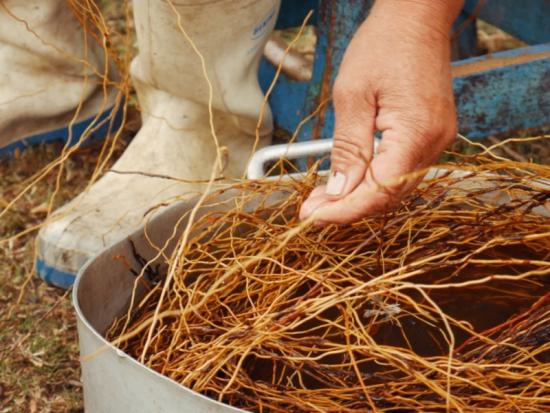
x,y
106,346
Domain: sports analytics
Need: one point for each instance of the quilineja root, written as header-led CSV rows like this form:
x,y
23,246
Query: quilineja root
x,y
442,304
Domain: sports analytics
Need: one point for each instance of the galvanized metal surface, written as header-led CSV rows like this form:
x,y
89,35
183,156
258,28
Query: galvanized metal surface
x,y
295,151
113,381
257,165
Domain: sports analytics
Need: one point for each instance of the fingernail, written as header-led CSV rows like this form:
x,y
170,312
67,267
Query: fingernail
x,y
335,184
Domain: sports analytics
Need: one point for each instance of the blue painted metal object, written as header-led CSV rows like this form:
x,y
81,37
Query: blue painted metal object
x,y
495,94
292,13
464,37
527,20
337,22
503,92
483,98
292,101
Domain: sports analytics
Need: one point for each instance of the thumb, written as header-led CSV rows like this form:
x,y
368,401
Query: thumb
x,y
353,140
352,150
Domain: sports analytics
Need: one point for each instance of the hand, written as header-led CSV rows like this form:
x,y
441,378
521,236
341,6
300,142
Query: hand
x,y
396,78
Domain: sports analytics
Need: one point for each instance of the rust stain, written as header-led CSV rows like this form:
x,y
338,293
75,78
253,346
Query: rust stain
x,y
495,63
327,75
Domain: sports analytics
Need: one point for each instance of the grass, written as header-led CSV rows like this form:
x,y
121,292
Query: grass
x,y
39,367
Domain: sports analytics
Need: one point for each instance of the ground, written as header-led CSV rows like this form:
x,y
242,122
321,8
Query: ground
x,y
39,367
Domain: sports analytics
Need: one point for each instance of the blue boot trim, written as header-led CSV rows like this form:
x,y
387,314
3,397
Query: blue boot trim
x,y
54,276
62,134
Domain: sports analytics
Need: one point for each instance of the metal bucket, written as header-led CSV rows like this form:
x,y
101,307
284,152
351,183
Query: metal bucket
x,y
115,382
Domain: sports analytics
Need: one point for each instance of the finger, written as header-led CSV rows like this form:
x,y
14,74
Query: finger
x,y
387,180
352,148
317,198
353,137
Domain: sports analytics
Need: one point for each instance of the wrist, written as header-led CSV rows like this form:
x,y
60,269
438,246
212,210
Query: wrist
x,y
435,17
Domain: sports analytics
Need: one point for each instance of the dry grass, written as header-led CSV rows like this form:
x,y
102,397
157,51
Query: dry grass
x,y
39,367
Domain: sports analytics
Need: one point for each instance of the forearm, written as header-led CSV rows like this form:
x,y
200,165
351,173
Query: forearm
x,y
395,78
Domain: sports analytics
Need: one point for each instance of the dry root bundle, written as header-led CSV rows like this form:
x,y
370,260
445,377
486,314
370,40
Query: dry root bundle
x,y
443,304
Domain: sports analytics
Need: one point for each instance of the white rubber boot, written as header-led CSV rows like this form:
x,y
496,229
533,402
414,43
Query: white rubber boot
x,y
175,138
47,68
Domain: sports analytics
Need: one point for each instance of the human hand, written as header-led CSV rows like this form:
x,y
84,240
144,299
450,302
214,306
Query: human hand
x,y
396,78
